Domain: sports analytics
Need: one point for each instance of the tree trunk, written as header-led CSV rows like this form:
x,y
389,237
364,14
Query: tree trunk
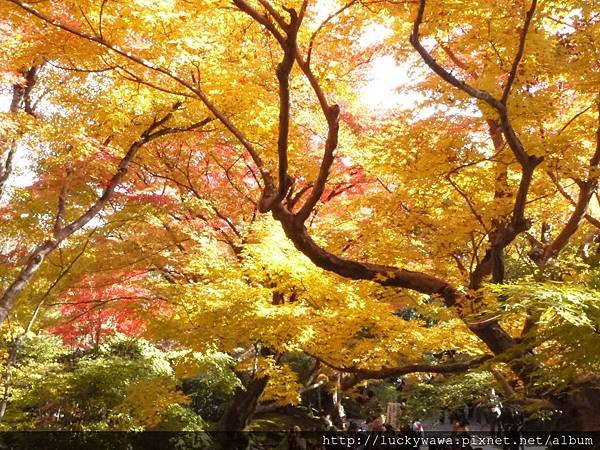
x,y
335,410
583,406
241,409
11,360
238,415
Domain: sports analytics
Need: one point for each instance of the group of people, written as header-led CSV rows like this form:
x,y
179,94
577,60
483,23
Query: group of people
x,y
503,420
460,434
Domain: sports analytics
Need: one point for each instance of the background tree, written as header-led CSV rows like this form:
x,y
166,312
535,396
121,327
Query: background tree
x,y
419,206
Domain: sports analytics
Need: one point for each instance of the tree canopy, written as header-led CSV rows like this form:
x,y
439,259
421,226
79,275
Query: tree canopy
x,y
371,188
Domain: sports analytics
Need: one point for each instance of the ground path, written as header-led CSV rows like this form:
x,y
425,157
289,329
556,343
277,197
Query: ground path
x,y
474,427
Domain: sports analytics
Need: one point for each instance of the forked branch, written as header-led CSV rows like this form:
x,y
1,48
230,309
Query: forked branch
x,y
498,105
61,233
587,189
517,60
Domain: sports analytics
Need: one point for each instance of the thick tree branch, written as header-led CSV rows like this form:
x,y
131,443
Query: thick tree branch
x,y
283,76
361,374
440,71
331,112
503,235
273,12
492,334
296,231
22,94
289,47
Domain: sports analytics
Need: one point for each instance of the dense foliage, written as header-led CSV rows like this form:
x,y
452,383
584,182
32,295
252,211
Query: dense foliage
x,y
195,193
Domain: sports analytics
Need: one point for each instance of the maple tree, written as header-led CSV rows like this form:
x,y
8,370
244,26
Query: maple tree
x,y
174,127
